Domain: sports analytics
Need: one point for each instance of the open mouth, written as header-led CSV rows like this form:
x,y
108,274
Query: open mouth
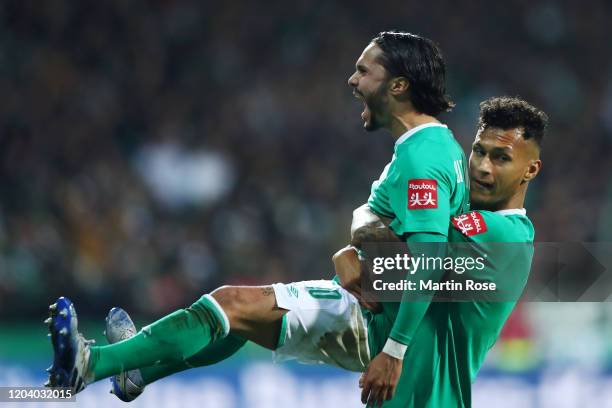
x,y
365,114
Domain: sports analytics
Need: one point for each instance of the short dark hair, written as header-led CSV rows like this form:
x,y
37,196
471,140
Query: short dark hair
x,y
420,61
507,112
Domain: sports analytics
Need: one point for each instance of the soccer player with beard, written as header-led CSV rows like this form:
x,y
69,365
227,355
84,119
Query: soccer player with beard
x,y
401,78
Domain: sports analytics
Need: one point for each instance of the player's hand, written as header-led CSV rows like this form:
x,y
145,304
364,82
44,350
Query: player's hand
x,y
348,268
379,381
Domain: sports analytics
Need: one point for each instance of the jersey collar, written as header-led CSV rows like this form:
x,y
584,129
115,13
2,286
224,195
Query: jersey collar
x,y
412,131
512,211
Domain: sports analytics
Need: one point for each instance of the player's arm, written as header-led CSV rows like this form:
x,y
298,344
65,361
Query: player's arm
x,y
411,311
368,226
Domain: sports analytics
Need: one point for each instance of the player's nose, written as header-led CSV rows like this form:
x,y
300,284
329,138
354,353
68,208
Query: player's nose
x,y
352,81
484,166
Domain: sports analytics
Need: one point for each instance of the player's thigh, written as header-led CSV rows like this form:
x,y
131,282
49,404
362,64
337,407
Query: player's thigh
x,y
252,312
247,303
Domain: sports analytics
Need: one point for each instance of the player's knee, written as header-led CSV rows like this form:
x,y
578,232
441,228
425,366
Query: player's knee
x,y
232,300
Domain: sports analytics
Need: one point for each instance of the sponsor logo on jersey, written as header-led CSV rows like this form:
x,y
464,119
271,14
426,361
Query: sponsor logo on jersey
x,y
422,194
470,224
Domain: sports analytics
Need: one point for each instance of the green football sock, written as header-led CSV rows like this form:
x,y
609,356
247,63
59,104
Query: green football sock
x,y
209,355
170,340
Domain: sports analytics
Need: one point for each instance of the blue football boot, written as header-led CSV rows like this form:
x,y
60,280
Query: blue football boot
x,y
71,350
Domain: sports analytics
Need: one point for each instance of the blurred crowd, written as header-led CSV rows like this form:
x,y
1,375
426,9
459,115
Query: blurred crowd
x,y
151,151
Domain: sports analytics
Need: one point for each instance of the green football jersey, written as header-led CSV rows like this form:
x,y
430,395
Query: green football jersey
x,y
451,343
425,184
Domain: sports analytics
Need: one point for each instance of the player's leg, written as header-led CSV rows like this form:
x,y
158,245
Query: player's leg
x,y
251,311
312,309
128,385
209,355
171,339
322,323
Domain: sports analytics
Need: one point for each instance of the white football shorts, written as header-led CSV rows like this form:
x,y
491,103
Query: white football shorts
x,y
324,325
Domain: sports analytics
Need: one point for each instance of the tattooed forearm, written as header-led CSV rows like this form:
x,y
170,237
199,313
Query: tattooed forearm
x,y
372,233
370,227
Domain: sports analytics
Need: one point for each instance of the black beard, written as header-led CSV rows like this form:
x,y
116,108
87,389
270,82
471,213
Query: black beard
x,y
376,105
372,124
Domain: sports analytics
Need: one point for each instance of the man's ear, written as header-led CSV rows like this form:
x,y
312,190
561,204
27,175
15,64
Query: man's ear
x,y
532,170
399,86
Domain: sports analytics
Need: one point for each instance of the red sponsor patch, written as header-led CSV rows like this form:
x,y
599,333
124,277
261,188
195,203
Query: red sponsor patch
x,y
422,194
469,224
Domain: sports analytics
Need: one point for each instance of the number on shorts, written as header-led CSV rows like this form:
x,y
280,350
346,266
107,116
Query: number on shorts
x,y
321,293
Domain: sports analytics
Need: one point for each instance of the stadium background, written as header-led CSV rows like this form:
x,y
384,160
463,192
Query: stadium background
x,y
152,151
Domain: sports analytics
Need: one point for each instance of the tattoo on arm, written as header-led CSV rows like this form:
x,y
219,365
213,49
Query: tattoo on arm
x,y
373,234
370,227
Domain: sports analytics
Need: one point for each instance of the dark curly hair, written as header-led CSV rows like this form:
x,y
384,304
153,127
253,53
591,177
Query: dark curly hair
x,y
513,112
420,61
